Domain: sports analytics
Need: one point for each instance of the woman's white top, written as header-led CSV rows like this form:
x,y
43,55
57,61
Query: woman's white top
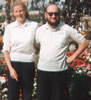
x,y
19,41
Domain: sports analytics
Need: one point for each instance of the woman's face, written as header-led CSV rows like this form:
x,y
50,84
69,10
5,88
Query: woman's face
x,y
19,13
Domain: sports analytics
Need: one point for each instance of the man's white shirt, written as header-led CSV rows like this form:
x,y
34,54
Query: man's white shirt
x,y
54,46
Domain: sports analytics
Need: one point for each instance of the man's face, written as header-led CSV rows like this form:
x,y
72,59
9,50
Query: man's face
x,y
52,15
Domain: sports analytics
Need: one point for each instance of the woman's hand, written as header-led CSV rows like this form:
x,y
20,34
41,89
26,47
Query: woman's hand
x,y
13,74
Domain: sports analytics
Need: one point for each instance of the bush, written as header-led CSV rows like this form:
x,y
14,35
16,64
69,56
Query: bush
x,y
35,17
2,18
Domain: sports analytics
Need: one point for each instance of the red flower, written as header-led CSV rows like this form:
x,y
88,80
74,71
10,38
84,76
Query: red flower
x,y
69,53
72,66
2,61
80,63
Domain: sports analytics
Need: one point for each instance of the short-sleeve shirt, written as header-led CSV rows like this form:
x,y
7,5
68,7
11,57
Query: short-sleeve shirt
x,y
54,46
19,41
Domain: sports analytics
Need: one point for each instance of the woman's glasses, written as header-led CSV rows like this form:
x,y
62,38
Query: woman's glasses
x,y
53,13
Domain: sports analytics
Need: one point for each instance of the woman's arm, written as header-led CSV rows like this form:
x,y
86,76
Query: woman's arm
x,y
12,71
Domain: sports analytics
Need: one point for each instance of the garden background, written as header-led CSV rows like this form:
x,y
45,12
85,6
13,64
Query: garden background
x,y
79,85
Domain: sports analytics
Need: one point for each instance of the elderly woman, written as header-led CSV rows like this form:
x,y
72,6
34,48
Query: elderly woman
x,y
19,52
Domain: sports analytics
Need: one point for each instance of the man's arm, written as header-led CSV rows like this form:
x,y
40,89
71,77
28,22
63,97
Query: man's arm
x,y
80,49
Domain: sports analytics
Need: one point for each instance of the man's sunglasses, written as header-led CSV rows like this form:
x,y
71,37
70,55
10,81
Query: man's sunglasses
x,y
55,13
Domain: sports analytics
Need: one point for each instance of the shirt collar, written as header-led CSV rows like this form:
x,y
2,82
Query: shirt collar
x,y
55,29
25,24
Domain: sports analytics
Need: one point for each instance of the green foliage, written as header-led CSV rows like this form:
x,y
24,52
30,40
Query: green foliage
x,y
2,18
35,17
2,67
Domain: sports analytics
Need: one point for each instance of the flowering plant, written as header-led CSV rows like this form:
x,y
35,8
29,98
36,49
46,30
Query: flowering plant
x,y
3,87
82,64
79,83
3,80
89,58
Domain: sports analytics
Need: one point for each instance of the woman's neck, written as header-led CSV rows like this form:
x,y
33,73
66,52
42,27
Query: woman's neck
x,y
21,22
